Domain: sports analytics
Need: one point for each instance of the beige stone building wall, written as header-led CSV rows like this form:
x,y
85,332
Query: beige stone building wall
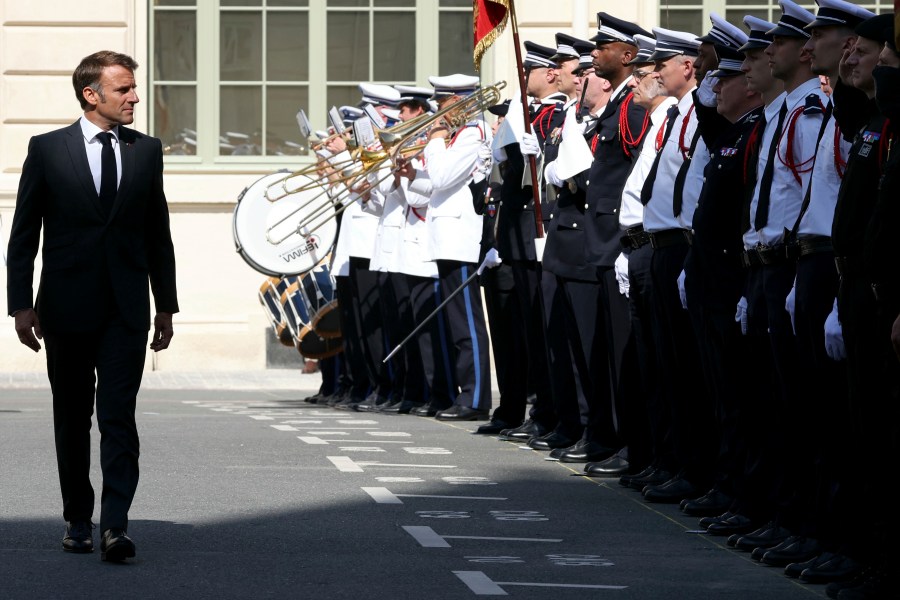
x,y
222,325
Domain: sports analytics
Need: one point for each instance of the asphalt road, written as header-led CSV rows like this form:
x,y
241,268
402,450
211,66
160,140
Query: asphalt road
x,y
252,493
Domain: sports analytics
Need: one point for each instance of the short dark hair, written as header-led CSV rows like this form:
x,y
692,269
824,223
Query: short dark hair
x,y
414,103
88,71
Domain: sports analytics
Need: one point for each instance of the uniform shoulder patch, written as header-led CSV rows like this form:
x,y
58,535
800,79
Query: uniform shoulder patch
x,y
813,105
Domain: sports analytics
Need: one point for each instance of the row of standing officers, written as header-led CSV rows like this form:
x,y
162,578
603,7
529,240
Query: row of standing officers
x,y
711,314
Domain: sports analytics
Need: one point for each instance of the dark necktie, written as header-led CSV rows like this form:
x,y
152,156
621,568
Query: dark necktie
x,y
647,189
765,186
751,161
108,175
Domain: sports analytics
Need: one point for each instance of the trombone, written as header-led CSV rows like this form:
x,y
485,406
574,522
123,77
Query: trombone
x,y
395,142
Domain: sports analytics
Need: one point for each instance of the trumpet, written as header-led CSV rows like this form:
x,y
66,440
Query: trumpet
x,y
394,143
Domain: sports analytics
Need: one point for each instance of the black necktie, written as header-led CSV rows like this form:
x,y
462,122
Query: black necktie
x,y
108,175
765,186
647,189
751,162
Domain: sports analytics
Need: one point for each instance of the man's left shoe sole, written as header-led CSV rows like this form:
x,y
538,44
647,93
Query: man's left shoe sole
x,y
117,553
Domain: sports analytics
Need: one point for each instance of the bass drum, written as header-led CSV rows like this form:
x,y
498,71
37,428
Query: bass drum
x,y
318,289
257,220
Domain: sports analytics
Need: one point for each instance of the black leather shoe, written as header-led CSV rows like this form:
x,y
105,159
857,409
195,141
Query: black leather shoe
x,y
795,549
551,440
494,427
586,451
425,410
373,403
462,413
116,546
390,408
672,492
839,568
625,480
557,452
710,504
348,403
705,522
732,525
871,583
523,432
314,399
654,477
79,537
793,570
767,536
613,466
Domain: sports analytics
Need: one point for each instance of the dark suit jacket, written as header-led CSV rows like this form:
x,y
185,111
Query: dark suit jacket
x,y
91,261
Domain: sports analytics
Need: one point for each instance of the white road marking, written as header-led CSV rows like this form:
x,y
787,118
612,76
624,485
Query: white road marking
x,y
284,428
312,440
301,422
345,464
380,464
356,422
370,441
426,536
505,539
400,479
361,449
261,418
382,495
480,583
564,585
190,402
451,497
389,433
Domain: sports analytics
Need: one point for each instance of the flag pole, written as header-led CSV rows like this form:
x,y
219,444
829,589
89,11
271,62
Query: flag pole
x,y
535,190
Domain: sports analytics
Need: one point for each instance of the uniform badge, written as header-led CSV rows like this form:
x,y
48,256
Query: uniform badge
x,y
864,150
491,210
728,151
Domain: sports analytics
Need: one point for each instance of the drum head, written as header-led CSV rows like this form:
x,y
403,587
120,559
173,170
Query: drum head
x,y
258,220
315,347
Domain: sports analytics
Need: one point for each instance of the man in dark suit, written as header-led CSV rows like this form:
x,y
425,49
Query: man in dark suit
x,y
96,189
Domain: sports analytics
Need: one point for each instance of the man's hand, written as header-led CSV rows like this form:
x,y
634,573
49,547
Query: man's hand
x,y
28,328
162,331
336,145
844,70
405,169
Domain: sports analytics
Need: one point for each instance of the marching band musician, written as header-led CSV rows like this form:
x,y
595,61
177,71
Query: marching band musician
x,y
454,231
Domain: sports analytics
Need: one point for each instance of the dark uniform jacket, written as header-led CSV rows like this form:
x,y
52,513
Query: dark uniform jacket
x,y
92,262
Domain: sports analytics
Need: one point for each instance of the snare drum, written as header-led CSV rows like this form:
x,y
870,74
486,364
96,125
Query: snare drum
x,y
308,342
318,292
265,231
270,297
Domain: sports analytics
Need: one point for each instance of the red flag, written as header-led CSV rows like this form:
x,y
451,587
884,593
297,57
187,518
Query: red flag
x,y
489,20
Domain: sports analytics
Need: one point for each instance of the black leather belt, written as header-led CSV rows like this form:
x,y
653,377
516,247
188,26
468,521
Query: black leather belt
x,y
814,244
765,255
635,237
670,237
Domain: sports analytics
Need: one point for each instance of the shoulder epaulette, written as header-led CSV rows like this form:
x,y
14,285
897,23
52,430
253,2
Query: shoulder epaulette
x,y
813,105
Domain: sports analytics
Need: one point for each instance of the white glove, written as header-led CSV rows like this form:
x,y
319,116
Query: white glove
x,y
491,260
621,270
834,336
789,303
529,145
681,292
484,163
741,314
551,177
705,92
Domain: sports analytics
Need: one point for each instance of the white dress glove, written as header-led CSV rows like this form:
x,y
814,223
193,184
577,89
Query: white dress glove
x,y
529,145
834,336
491,260
551,177
789,304
741,315
705,91
484,163
681,293
621,270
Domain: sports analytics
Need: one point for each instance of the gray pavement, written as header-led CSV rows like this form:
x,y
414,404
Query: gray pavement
x,y
249,492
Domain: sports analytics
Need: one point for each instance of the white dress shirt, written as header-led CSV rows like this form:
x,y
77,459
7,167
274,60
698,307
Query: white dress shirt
x,y
94,148
825,182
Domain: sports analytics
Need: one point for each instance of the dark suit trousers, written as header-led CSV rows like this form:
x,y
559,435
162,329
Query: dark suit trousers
x,y
507,342
468,332
691,411
406,369
117,354
371,325
819,411
433,341
354,349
